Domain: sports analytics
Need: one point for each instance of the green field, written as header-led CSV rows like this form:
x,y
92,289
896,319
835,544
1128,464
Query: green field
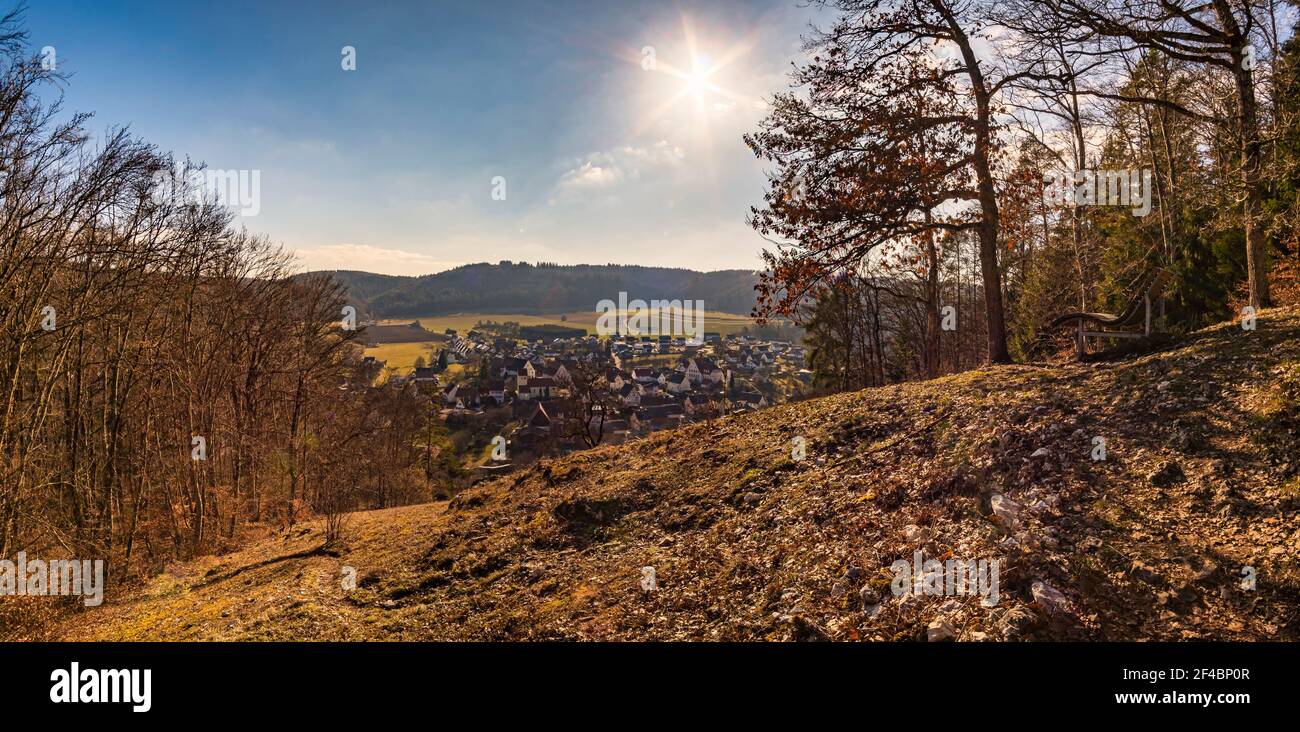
x,y
401,356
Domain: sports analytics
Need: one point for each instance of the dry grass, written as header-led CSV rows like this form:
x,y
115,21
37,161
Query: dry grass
x,y
401,356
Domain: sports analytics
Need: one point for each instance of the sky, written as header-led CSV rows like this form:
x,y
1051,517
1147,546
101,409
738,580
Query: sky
x,y
569,132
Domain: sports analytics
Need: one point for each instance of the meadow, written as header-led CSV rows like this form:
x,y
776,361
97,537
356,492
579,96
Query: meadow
x,y
401,356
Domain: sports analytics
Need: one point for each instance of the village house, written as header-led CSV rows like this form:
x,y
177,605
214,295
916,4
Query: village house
x,y
702,371
513,366
541,387
677,383
615,378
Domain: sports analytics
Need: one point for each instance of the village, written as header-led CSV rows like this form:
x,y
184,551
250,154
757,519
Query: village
x,y
556,395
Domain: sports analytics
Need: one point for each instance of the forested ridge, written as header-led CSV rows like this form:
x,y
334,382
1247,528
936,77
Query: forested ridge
x,y
521,287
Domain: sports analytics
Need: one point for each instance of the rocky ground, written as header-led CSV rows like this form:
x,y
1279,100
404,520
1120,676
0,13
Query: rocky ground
x,y
1195,499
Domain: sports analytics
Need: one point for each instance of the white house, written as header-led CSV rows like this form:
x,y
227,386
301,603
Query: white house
x,y
677,383
703,370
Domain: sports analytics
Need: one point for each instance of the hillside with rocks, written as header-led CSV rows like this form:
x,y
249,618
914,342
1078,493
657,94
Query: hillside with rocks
x,y
1201,479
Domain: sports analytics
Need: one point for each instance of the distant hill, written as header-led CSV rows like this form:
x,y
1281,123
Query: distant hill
x,y
526,288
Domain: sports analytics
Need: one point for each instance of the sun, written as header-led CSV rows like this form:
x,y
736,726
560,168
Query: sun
x,y
697,79
702,81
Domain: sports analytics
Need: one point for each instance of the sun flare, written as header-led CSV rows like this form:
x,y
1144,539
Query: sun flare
x,y
702,81
697,79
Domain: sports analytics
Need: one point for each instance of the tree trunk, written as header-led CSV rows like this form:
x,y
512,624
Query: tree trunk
x,y
988,228
1248,129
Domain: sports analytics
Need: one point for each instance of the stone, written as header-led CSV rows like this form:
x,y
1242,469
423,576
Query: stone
x,y
1006,510
1016,622
806,631
1048,597
939,631
869,595
1145,573
951,606
909,602
1169,473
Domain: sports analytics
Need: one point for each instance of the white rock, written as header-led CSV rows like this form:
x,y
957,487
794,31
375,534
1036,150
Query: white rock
x,y
939,630
1006,510
1049,597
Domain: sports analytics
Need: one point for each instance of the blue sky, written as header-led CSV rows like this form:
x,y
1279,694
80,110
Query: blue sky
x,y
389,168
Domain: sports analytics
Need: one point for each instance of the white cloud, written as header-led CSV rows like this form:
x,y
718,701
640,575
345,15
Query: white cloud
x,y
591,175
603,170
370,259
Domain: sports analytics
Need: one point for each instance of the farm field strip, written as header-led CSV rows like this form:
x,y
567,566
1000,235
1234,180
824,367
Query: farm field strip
x,y
724,323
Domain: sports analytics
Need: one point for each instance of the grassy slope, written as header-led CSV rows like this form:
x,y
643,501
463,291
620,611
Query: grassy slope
x,y
750,545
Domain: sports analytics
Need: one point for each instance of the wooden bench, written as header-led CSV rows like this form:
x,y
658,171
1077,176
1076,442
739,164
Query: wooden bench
x,y
1137,312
